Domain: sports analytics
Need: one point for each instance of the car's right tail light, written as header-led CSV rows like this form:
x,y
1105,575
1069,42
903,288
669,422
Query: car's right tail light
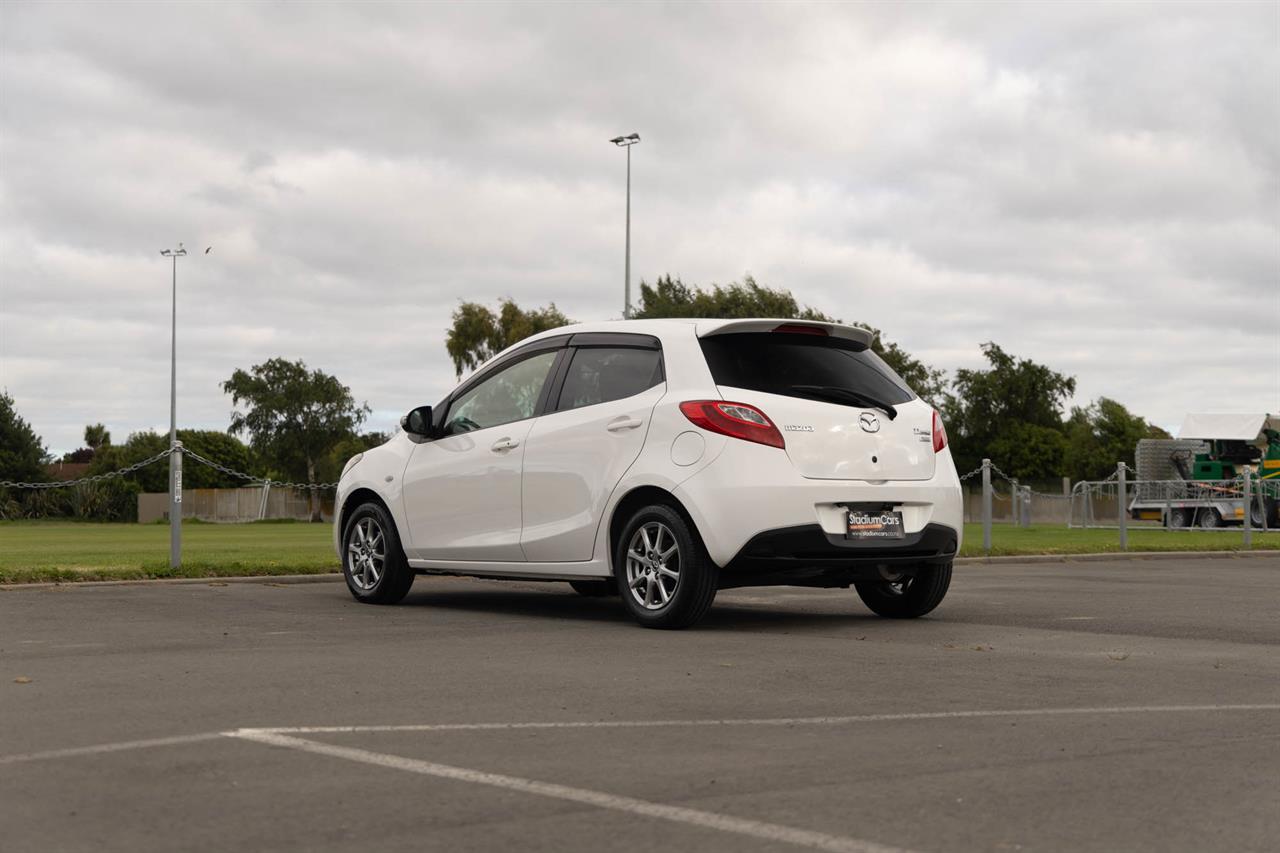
x,y
939,433
737,420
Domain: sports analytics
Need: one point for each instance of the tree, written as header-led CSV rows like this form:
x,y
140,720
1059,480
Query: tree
x,y
330,468
96,437
1102,434
671,297
478,334
294,415
988,411
211,444
22,453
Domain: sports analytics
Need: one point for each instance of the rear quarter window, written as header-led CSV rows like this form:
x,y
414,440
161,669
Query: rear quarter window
x,y
601,375
775,362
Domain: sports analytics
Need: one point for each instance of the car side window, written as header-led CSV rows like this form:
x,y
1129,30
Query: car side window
x,y
602,374
509,395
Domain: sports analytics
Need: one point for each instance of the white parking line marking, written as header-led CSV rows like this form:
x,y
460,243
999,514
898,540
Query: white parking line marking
x,y
779,721
600,799
122,746
636,724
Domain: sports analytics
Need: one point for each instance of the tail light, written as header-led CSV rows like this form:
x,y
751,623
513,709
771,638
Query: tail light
x,y
939,433
737,420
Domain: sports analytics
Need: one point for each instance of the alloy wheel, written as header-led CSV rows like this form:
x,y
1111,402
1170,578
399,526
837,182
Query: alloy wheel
x,y
366,553
653,565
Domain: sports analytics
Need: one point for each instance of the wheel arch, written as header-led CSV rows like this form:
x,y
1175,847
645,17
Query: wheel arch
x,y
638,497
353,500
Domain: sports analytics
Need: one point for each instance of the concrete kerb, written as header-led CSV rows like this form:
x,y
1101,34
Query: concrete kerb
x,y
1125,556
327,577
334,577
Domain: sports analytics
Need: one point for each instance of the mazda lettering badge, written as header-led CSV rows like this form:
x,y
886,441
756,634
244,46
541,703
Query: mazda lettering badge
x,y
869,422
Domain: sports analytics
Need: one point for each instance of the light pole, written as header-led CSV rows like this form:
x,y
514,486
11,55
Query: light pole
x,y
175,458
626,142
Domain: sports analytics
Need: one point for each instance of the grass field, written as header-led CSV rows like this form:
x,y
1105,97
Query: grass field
x,y
55,551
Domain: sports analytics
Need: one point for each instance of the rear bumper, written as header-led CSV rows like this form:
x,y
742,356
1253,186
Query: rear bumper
x,y
752,491
808,555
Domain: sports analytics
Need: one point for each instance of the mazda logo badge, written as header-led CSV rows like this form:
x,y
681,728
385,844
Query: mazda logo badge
x,y
869,422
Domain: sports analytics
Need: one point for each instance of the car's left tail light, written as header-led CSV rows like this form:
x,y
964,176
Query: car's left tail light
x,y
737,420
939,433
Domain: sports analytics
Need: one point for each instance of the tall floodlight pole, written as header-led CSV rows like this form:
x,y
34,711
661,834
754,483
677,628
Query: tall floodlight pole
x,y
175,458
626,142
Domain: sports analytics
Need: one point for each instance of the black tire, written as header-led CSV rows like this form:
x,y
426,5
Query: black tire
x,y
1209,518
1179,518
693,591
908,599
594,589
1256,513
385,577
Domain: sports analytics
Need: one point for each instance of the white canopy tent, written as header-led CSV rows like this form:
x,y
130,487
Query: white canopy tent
x,y
1229,427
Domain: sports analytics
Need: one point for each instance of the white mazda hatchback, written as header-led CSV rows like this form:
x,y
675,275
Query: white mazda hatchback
x,y
662,460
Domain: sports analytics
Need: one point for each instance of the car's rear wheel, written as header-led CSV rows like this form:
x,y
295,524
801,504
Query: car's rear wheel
x,y
373,562
594,589
664,576
1209,518
909,597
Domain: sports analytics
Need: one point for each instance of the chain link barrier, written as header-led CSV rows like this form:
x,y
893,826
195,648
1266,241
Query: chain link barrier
x,y
252,478
151,460
96,478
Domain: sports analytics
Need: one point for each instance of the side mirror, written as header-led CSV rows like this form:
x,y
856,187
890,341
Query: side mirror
x,y
417,422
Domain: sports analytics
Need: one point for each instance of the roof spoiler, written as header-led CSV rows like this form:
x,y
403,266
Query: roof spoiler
x,y
835,330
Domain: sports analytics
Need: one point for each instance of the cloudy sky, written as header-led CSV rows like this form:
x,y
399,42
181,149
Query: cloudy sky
x,y
1095,186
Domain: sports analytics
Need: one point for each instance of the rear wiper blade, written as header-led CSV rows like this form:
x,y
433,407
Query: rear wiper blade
x,y
835,393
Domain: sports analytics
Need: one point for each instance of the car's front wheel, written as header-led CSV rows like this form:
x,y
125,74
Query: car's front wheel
x,y
909,597
373,562
664,575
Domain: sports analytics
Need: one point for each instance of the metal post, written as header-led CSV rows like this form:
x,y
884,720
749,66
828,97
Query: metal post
x,y
262,506
1248,509
986,505
175,508
175,454
1014,515
626,284
626,142
1123,513
1066,486
1026,506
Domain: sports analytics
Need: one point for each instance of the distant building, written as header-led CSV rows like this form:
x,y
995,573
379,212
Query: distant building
x,y
67,470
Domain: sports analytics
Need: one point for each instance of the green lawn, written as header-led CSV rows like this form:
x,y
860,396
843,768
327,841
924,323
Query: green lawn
x,y
61,550
56,550
1043,539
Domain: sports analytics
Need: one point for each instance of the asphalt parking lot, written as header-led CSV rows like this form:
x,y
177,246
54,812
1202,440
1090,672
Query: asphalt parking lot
x,y
1079,706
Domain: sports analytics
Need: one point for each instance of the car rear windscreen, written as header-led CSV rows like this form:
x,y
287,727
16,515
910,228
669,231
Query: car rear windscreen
x,y
777,362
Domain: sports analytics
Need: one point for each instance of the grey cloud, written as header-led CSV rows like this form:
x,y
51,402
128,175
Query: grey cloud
x,y
1094,186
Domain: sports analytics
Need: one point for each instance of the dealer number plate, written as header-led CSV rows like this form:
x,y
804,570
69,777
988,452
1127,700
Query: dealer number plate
x,y
874,525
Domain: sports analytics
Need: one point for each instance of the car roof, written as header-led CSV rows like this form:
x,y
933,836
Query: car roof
x,y
701,326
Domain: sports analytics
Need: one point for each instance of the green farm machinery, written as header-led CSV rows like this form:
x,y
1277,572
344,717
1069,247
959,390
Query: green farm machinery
x,y
1197,479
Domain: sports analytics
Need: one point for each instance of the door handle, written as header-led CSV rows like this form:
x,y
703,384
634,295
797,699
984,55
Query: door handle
x,y
624,422
504,444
